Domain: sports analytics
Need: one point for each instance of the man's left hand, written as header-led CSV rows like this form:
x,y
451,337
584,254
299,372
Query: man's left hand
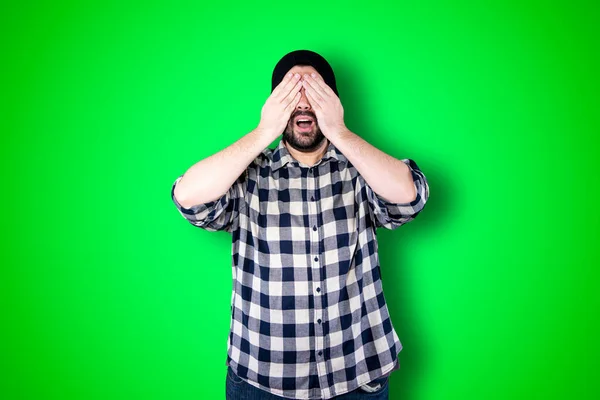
x,y
326,104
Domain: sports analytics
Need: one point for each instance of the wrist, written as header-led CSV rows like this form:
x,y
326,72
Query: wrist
x,y
337,132
266,132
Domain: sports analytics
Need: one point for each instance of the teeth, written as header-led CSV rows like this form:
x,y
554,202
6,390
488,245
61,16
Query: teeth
x,y
304,120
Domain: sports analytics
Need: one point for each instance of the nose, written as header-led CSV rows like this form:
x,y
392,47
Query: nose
x,y
303,104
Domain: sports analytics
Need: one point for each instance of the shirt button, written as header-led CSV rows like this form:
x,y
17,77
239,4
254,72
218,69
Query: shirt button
x,y
319,321
311,170
312,198
314,228
320,352
318,289
316,258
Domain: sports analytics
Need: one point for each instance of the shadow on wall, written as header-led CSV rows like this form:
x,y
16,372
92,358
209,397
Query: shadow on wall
x,y
392,246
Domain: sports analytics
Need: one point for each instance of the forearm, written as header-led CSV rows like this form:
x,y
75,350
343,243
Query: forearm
x,y
210,178
388,177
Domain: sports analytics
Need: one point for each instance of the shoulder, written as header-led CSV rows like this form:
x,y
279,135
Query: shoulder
x,y
265,158
261,166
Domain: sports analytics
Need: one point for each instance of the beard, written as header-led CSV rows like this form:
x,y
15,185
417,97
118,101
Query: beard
x,y
303,141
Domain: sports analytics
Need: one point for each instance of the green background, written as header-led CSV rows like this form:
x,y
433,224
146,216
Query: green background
x,y
108,293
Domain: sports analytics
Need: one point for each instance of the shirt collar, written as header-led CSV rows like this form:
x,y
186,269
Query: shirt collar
x,y
282,157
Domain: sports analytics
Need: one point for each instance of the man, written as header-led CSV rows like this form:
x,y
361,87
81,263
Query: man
x,y
308,315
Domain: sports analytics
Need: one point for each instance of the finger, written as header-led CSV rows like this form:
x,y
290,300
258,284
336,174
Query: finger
x,y
324,85
293,103
283,82
318,78
282,85
285,90
318,85
311,82
314,103
291,95
310,90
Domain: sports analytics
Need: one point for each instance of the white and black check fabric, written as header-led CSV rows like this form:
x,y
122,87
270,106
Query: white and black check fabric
x,y
308,315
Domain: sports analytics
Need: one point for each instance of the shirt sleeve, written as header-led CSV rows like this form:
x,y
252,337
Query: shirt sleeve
x,y
219,214
392,215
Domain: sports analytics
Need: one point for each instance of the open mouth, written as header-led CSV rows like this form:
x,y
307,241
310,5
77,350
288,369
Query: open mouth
x,y
304,124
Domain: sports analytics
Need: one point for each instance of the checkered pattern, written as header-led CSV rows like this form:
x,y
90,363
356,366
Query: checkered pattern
x,y
308,315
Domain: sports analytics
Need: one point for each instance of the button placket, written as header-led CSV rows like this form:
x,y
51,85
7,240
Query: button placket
x,y
316,273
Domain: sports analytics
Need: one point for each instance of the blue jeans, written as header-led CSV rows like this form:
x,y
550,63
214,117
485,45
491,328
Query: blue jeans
x,y
238,389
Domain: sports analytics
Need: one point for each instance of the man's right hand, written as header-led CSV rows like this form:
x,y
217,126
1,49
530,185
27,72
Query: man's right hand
x,y
276,112
211,178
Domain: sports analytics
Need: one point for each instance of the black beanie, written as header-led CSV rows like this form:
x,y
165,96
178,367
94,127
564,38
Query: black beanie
x,y
303,57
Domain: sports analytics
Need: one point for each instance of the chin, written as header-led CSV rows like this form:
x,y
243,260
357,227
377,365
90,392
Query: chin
x,y
303,134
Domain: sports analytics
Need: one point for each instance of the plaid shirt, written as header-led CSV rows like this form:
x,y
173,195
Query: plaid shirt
x,y
308,315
